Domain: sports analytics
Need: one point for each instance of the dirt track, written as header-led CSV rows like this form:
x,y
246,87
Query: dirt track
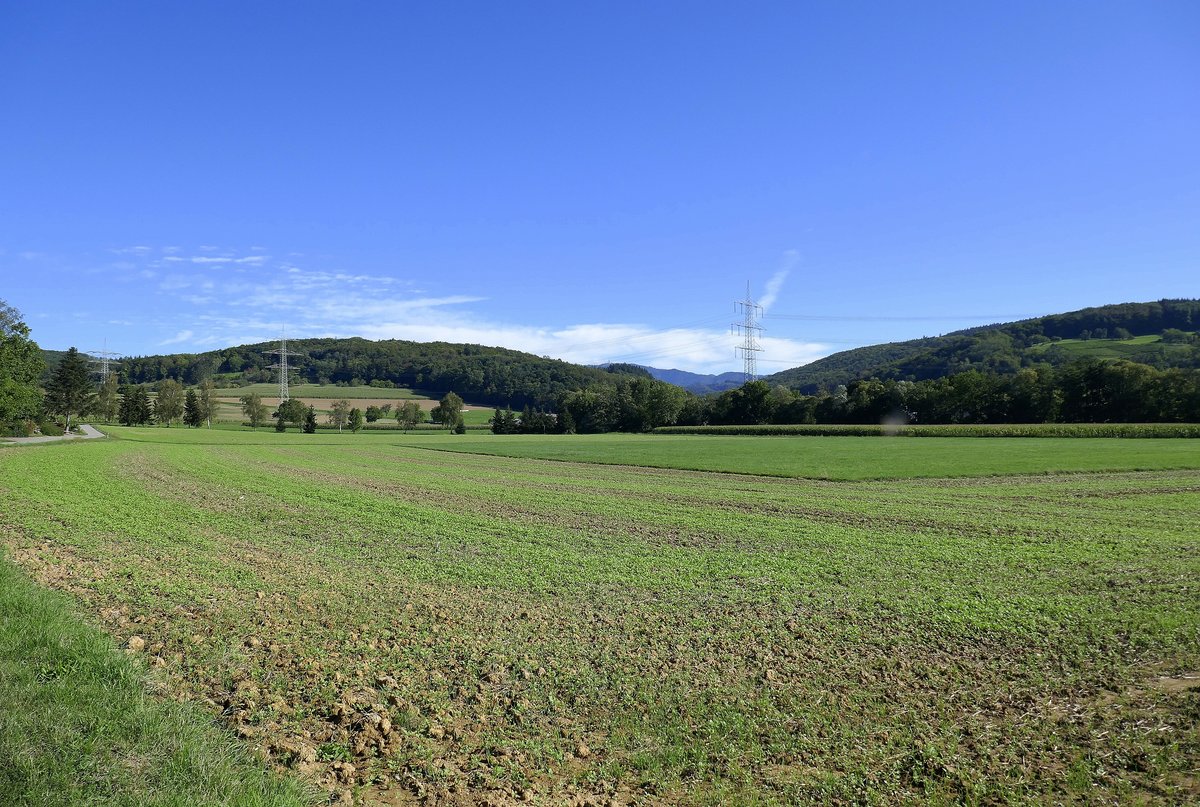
x,y
89,433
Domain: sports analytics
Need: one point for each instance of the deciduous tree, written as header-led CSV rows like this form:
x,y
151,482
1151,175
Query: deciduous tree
x,y
293,411
206,400
448,411
339,415
168,406
254,409
409,415
107,403
21,368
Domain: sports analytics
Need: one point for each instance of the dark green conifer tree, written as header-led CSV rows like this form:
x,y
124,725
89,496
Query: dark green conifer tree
x,y
191,410
69,392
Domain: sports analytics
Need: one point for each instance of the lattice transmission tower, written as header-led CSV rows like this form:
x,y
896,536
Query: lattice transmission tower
x,y
281,364
749,330
105,361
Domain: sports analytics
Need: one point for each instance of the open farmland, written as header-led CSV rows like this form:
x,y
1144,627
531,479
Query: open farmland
x,y
459,627
322,397
843,458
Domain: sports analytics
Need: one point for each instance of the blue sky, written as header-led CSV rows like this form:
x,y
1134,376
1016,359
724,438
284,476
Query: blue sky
x,y
592,181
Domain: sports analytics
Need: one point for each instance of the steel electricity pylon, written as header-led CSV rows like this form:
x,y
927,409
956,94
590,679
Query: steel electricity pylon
x,y
281,364
105,361
750,331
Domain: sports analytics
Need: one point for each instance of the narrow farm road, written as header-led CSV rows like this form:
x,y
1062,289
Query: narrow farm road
x,y
89,433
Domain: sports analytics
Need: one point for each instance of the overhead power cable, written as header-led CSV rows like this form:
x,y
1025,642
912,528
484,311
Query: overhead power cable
x,y
824,318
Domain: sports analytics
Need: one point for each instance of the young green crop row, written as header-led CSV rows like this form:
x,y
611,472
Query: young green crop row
x,y
503,625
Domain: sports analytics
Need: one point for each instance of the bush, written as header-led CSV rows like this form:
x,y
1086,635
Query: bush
x,y
19,428
49,428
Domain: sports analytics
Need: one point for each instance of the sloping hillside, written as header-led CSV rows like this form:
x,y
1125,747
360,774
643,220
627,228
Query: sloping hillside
x,y
484,375
1132,331
699,383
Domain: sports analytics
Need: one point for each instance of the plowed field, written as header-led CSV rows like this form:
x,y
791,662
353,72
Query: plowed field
x,y
412,625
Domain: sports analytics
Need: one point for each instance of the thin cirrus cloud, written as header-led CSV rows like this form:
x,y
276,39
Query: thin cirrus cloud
x,y
790,259
252,305
179,338
203,259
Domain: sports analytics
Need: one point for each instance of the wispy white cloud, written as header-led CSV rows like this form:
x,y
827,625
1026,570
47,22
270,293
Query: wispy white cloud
x,y
178,338
237,298
775,284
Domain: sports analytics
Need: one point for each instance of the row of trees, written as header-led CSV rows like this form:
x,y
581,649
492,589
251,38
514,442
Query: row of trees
x,y
633,403
530,421
1086,391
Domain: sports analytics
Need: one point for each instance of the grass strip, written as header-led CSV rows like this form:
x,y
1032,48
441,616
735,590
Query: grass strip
x,y
79,726
1127,430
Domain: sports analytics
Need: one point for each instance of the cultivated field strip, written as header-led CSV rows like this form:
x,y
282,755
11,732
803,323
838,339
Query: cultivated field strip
x,y
435,626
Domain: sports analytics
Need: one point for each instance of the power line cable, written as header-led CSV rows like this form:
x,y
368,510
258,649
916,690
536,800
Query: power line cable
x,y
825,318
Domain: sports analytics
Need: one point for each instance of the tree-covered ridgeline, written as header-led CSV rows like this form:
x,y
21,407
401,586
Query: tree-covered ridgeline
x,y
485,375
1008,347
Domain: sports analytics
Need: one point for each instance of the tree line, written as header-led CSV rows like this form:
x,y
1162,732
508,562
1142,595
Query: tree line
x,y
1085,391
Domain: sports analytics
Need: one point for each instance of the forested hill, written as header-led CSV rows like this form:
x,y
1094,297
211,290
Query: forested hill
x,y
1161,334
484,375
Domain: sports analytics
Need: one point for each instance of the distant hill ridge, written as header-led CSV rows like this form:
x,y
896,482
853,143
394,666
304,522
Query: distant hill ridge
x,y
504,377
482,375
699,383
1006,347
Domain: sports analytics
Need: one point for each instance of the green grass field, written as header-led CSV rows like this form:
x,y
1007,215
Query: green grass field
x,y
1135,349
939,621
839,457
322,396
324,391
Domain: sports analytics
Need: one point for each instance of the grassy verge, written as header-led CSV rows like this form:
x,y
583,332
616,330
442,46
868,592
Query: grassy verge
x,y
77,725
